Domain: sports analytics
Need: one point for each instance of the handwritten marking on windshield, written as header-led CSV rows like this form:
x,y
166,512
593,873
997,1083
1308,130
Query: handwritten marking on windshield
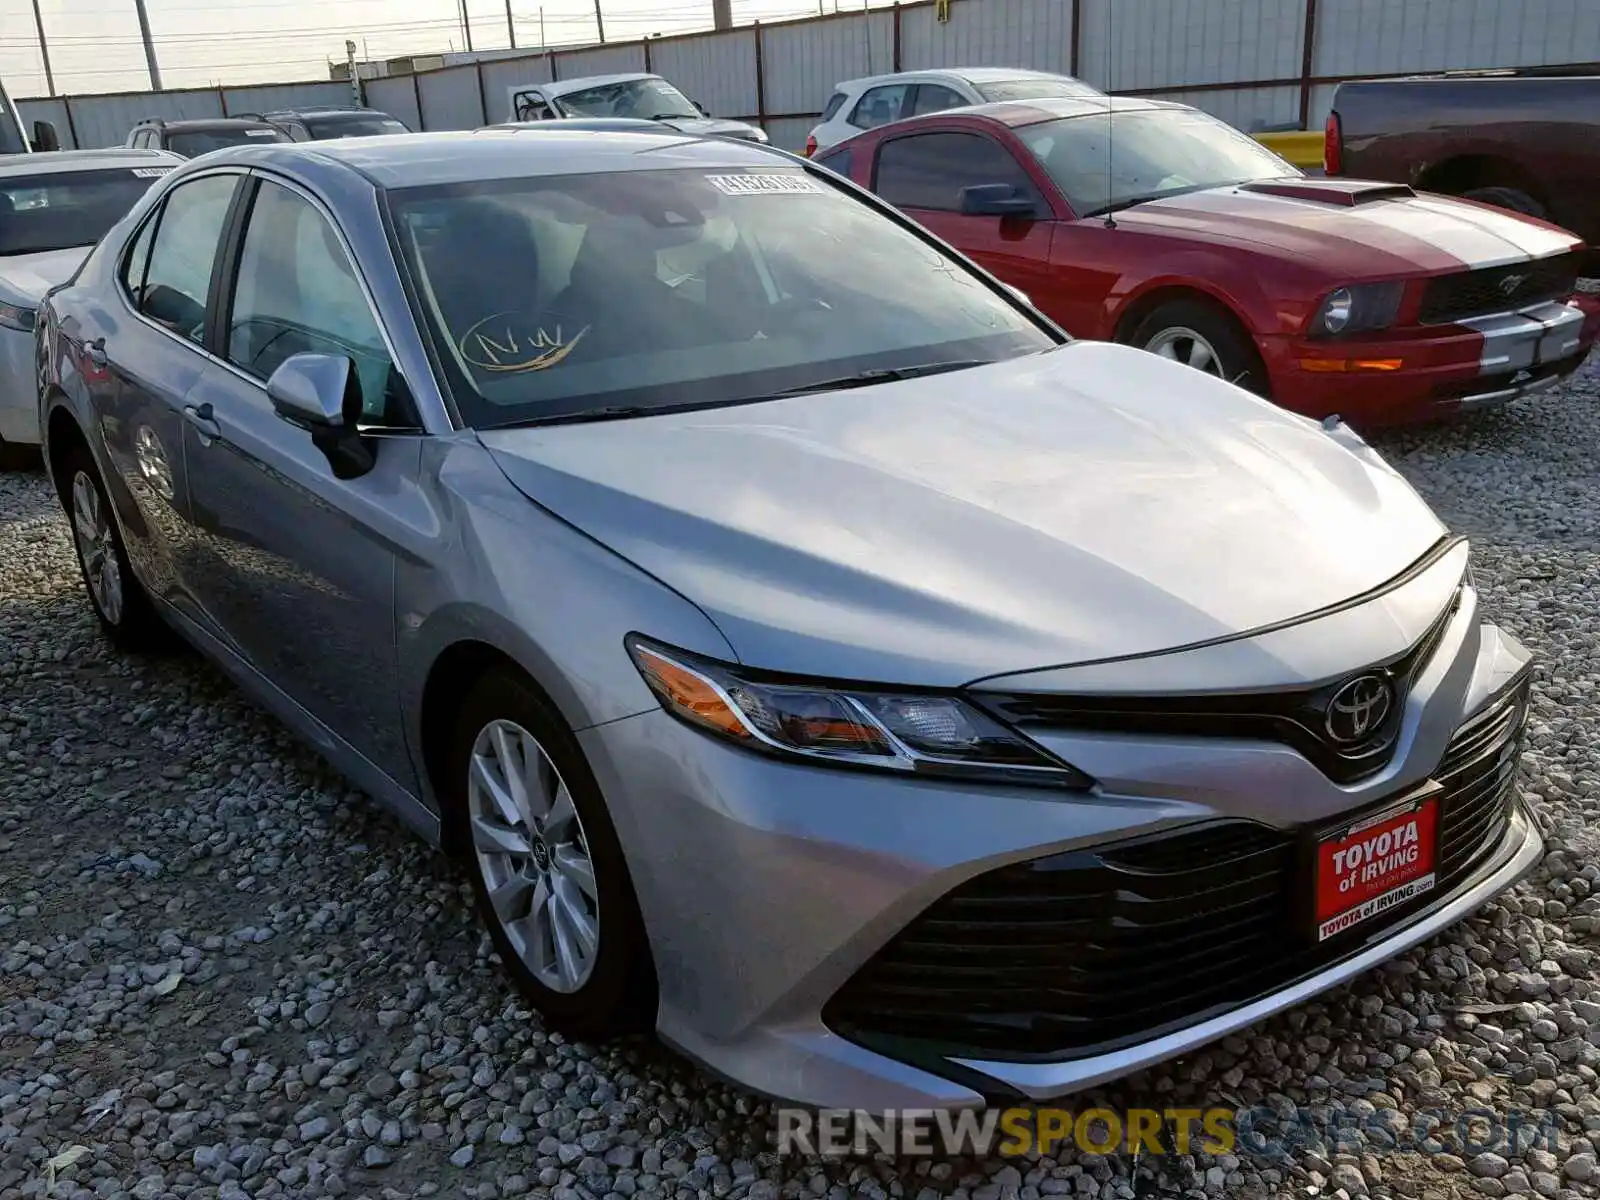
x,y
504,352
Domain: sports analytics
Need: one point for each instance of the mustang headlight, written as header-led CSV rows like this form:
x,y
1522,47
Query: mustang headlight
x,y
1361,306
14,316
924,734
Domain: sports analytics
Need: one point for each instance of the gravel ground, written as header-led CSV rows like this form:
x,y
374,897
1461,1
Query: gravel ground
x,y
224,973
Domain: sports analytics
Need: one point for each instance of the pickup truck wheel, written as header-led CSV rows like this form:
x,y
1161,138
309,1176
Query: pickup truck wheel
x,y
1202,336
1509,198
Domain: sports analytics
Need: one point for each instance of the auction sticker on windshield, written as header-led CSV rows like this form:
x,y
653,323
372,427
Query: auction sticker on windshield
x,y
1371,866
763,185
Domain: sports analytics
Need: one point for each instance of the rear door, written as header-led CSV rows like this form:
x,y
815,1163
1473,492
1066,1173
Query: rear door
x,y
922,174
296,564
140,373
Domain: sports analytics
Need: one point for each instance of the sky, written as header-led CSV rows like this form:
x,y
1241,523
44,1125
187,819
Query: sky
x,y
95,44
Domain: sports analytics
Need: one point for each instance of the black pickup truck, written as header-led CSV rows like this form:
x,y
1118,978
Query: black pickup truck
x,y
1527,140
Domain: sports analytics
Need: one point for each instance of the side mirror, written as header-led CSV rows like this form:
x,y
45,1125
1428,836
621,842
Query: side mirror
x,y
704,112
44,136
995,200
320,394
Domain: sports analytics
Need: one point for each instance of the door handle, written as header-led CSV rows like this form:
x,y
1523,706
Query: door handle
x,y
95,351
204,420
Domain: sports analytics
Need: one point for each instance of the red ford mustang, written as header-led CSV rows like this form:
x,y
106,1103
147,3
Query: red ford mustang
x,y
1188,238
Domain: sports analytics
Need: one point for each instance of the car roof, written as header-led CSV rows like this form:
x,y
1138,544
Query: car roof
x,y
420,159
84,160
208,123
967,74
562,87
1016,114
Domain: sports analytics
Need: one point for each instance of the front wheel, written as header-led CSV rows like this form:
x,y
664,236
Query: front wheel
x,y
548,871
1201,336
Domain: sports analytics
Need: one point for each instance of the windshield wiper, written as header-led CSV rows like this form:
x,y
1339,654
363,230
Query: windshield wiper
x,y
1122,204
882,375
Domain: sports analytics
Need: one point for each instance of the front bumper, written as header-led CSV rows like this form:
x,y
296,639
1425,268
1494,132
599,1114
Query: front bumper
x,y
19,397
767,887
1481,362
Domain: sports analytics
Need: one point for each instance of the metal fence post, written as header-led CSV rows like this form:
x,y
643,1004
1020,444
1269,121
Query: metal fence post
x,y
1308,50
761,81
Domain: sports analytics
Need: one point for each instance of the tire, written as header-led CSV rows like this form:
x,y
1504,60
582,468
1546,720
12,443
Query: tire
x,y
612,990
1202,335
121,604
1508,198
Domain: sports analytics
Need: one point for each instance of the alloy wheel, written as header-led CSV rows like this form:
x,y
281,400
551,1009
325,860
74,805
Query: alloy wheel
x,y
1188,347
91,528
531,849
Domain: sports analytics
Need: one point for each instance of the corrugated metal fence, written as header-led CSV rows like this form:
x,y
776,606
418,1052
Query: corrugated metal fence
x,y
1252,62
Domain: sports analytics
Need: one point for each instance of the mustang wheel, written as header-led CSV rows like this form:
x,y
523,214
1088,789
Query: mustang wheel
x,y
1199,335
119,599
551,882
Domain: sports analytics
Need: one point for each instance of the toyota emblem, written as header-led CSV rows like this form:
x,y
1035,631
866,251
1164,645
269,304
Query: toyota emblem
x,y
1358,708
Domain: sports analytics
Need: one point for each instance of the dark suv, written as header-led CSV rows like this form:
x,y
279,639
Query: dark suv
x,y
194,138
321,124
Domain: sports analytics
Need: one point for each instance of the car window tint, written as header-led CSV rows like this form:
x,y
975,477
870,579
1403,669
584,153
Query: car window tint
x,y
177,284
296,293
837,161
928,170
880,105
835,103
933,97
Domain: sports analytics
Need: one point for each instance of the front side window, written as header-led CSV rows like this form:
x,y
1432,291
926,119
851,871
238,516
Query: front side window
x,y
60,209
880,105
1153,153
928,170
177,279
296,293
647,99
932,98
194,143
559,296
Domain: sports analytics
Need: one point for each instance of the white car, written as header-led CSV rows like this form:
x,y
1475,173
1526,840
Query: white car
x,y
858,104
631,95
53,209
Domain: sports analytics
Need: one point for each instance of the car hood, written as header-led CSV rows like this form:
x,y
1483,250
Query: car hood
x,y
1313,222
1090,502
25,278
716,126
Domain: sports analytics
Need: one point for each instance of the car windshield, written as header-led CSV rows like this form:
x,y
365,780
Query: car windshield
x,y
194,143
651,99
1034,89
561,297
60,209
10,127
1154,153
375,125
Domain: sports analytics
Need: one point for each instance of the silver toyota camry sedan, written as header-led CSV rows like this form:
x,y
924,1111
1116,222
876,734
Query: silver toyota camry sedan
x,y
812,654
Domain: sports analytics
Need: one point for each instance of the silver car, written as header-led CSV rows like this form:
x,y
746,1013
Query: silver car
x,y
811,653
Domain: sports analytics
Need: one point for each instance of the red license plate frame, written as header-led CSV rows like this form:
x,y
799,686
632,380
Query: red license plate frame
x,y
1375,863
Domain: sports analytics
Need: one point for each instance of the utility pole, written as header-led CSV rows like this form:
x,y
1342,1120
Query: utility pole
x,y
466,25
355,74
722,14
149,46
511,26
44,49
599,21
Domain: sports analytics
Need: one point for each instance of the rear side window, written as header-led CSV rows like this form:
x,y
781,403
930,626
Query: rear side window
x,y
928,170
880,105
835,103
837,161
177,281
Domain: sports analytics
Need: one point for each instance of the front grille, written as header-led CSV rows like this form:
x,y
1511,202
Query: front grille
x,y
1293,718
1465,294
1083,952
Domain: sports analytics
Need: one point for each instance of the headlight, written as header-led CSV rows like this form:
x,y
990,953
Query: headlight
x,y
922,734
14,316
1361,306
